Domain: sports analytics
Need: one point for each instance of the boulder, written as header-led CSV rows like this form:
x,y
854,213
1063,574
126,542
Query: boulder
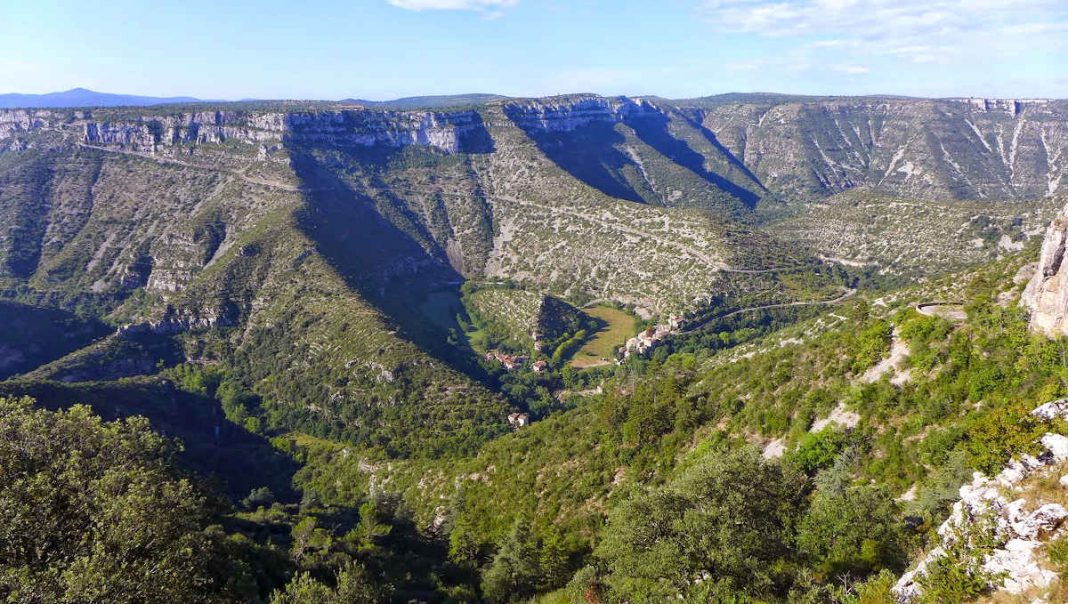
x,y
1042,521
1052,410
1017,567
1057,445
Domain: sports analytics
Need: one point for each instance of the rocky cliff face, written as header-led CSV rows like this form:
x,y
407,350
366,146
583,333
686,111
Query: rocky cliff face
x,y
147,134
565,114
1046,295
916,148
925,149
450,132
1009,514
525,189
153,133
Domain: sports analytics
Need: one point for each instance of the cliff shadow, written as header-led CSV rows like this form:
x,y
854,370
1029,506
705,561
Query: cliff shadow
x,y
652,129
727,153
378,248
589,153
232,459
32,336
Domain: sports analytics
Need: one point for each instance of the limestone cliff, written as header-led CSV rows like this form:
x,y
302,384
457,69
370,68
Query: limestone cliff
x,y
1046,295
916,148
565,114
151,132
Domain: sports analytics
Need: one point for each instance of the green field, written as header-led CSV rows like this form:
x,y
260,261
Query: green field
x,y
618,326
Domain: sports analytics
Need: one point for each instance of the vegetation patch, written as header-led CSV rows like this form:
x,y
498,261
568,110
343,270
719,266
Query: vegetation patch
x,y
615,326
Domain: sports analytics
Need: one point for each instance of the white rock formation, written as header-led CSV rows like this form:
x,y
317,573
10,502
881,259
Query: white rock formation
x,y
1046,295
840,416
1019,532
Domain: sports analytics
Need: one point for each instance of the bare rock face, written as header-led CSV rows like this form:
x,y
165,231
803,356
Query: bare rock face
x,y
1019,533
916,148
1046,295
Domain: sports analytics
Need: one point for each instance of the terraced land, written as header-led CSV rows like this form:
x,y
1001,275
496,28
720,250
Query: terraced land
x,y
915,238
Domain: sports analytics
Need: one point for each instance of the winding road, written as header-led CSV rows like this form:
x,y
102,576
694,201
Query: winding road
x,y
836,300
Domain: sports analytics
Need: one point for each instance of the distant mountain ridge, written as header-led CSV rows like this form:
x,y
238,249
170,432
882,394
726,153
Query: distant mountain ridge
x,y
430,102
81,97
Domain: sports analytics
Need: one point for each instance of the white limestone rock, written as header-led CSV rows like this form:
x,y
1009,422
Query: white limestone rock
x,y
1019,532
1016,562
1057,445
1046,295
1042,521
1052,410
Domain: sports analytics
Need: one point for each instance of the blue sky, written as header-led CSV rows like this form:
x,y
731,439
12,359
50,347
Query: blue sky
x,y
378,49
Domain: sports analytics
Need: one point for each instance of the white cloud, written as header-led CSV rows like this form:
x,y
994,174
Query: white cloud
x,y
840,33
852,69
836,43
482,5
1035,28
879,18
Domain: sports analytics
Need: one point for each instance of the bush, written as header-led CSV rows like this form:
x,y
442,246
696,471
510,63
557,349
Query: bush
x,y
852,531
96,512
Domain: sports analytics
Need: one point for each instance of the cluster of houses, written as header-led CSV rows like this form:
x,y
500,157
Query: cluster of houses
x,y
511,362
651,337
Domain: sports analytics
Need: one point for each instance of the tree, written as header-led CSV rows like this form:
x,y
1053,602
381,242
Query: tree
x,y
854,530
259,497
374,525
95,512
727,520
818,450
353,587
516,570
311,544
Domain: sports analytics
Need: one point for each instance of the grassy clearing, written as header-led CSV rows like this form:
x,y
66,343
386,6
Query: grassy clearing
x,y
618,326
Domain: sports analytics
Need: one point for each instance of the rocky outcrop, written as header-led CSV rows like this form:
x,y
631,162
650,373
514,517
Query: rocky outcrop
x,y
176,321
22,120
1046,294
206,127
915,148
451,132
565,114
1011,107
1018,526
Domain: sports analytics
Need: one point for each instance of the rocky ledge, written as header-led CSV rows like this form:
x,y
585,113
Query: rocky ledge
x,y
450,132
565,114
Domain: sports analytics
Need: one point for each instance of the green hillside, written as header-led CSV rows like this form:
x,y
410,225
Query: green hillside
x,y
318,301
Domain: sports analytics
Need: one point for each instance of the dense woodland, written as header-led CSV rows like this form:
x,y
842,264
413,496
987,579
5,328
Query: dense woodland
x,y
663,493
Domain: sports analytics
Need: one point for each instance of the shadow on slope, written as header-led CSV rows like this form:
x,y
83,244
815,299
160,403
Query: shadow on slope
x,y
591,154
112,358
734,161
214,447
379,249
652,129
31,336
